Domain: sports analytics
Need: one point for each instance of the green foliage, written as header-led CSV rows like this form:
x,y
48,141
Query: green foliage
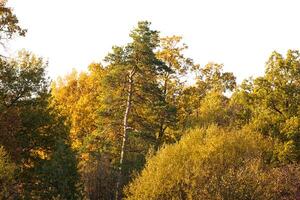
x,y
241,104
58,176
98,127
132,100
212,77
215,164
150,70
271,103
170,81
77,97
204,103
138,58
9,23
23,91
7,172
30,128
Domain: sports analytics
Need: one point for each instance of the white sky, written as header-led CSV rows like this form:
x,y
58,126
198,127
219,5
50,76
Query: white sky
x,y
238,33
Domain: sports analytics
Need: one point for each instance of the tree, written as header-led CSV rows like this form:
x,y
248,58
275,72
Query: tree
x,y
132,76
9,24
77,97
273,101
211,80
59,176
171,83
24,94
241,104
211,77
22,82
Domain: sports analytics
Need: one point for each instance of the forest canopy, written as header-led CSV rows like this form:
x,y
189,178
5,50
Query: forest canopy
x,y
132,127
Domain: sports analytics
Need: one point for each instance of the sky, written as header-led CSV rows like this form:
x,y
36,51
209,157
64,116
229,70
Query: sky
x,y
241,34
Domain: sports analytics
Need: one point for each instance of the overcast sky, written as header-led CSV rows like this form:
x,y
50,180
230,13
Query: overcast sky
x,y
238,33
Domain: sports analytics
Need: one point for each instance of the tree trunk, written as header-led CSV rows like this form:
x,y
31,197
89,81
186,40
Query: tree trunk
x,y
125,133
162,120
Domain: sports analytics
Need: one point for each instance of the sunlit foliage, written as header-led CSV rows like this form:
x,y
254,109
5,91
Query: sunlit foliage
x,y
216,164
135,122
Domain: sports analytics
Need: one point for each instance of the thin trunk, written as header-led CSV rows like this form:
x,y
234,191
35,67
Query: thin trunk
x,y
125,133
162,121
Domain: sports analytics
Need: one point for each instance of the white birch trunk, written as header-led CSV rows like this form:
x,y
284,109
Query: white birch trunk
x,y
125,133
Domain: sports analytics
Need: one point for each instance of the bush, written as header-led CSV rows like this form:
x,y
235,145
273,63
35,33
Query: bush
x,y
215,164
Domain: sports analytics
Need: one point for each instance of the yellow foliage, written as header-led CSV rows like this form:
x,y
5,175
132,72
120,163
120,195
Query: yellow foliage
x,y
215,164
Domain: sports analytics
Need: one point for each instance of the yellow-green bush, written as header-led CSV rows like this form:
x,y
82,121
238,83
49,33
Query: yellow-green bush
x,y
215,164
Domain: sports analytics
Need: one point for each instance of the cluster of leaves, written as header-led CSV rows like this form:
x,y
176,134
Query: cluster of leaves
x,y
7,172
9,24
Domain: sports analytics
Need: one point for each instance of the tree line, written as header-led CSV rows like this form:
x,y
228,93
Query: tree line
x,y
131,127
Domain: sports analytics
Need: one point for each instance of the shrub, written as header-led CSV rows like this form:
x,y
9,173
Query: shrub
x,y
215,164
